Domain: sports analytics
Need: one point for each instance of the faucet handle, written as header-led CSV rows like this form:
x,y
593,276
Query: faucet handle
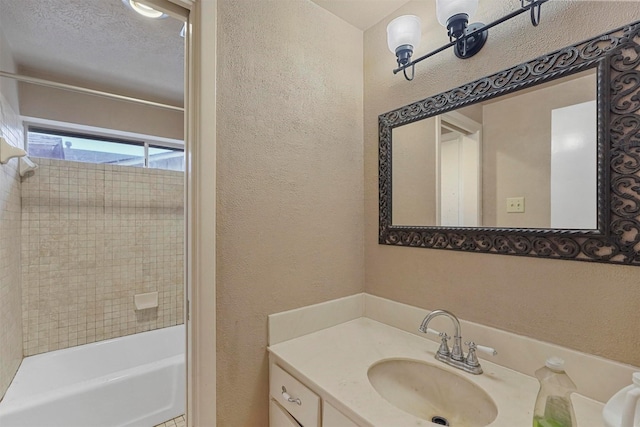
x,y
443,350
442,335
488,350
472,360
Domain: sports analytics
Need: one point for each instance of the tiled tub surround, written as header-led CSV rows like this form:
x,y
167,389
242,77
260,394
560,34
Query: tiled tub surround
x,y
331,346
93,236
10,289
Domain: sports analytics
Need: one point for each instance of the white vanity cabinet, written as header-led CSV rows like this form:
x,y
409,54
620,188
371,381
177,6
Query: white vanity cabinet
x,y
331,417
293,404
279,417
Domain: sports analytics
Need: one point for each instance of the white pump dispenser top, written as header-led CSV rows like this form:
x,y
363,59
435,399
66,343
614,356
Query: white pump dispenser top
x,y
555,364
623,409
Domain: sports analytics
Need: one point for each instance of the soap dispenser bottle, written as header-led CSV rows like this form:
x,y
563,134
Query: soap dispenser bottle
x,y
553,404
623,409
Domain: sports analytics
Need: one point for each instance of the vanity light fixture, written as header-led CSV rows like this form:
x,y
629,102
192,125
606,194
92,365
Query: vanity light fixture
x,y
403,33
144,10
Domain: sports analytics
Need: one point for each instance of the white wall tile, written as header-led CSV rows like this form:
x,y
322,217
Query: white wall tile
x,y
94,236
10,252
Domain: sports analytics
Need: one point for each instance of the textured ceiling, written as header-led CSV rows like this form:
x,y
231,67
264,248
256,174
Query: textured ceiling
x,y
100,44
104,45
361,13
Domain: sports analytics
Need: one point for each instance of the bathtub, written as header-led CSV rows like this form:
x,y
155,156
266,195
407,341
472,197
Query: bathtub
x,y
132,381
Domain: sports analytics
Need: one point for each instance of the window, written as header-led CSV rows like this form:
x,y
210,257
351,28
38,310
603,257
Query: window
x,y
165,158
77,147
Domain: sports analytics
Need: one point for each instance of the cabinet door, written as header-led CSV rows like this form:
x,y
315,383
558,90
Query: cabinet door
x,y
331,417
300,401
279,417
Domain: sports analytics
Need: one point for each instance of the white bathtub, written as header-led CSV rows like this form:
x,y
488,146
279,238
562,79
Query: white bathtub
x,y
132,381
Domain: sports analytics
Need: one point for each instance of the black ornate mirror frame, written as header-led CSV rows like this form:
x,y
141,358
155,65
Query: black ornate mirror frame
x,y
616,55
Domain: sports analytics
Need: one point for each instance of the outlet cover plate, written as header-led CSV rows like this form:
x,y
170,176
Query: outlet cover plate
x,y
515,204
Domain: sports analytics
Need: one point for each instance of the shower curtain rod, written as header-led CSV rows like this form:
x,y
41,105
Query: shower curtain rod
x,y
56,85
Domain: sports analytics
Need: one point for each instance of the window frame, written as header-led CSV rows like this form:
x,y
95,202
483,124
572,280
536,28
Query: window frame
x,y
101,134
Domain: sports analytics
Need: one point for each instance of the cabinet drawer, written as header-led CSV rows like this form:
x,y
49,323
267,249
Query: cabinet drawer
x,y
303,404
331,417
278,417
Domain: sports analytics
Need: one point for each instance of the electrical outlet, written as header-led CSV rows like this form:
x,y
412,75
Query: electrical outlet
x,y
515,204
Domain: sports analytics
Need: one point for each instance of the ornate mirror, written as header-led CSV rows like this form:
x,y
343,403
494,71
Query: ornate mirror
x,y
542,159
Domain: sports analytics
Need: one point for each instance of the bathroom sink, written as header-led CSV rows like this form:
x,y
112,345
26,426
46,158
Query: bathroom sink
x,y
431,393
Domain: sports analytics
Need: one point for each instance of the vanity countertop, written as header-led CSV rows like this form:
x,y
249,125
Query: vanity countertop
x,y
335,361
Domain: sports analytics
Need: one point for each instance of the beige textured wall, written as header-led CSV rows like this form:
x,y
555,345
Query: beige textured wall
x,y
517,151
93,236
8,87
290,190
73,107
587,306
413,173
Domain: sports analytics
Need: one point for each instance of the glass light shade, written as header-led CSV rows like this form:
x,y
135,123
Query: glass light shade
x,y
145,10
445,9
404,30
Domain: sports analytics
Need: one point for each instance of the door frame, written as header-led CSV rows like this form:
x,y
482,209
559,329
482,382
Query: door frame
x,y
200,205
458,122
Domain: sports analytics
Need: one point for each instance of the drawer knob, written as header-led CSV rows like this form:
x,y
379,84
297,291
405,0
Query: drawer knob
x,y
288,397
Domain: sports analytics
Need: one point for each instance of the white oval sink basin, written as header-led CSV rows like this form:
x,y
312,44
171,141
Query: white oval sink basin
x,y
428,392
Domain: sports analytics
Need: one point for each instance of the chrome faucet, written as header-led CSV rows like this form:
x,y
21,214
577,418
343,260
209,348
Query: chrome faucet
x,y
455,357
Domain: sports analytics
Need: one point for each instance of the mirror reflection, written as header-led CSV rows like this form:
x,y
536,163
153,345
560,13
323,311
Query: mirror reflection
x,y
522,160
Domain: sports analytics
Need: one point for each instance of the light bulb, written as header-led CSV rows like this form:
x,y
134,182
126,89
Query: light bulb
x,y
403,35
145,10
445,9
404,30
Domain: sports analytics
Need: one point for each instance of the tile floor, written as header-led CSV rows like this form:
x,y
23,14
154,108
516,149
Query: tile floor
x,y
180,421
